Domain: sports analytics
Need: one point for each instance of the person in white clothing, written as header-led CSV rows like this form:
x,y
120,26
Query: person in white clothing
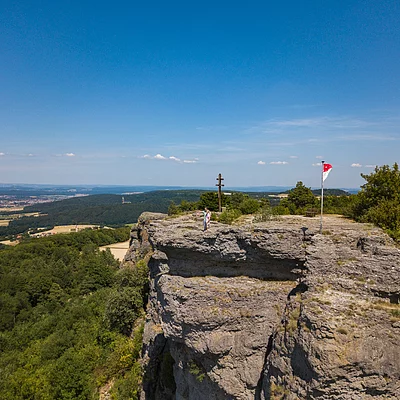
x,y
206,218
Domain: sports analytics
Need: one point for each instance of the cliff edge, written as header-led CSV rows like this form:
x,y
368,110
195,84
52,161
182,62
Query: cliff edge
x,y
271,310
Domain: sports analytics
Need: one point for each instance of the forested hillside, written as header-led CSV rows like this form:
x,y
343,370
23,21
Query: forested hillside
x,y
66,311
105,210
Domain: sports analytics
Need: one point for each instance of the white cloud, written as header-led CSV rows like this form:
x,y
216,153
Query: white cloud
x,y
300,122
293,157
70,154
379,137
370,166
326,129
261,163
170,158
279,162
341,122
318,164
319,157
2,154
356,165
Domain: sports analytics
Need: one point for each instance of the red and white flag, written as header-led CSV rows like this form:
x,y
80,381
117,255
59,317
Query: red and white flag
x,y
326,170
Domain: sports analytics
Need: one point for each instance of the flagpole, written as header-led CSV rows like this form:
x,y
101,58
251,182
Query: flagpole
x,y
322,196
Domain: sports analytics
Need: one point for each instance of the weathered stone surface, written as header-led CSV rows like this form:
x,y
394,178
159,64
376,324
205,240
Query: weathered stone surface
x,y
139,245
265,311
337,340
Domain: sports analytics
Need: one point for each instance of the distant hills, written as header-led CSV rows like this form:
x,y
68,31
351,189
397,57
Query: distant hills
x,y
38,190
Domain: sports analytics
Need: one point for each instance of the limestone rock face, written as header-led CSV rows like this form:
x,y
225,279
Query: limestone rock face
x,y
269,310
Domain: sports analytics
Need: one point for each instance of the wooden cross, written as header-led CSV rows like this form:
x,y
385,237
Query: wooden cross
x,y
219,184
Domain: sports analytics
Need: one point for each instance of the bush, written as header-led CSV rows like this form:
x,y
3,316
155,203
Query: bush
x,y
214,216
210,200
128,387
249,206
228,216
265,214
338,204
281,210
379,200
173,209
236,198
136,277
385,214
125,353
299,199
123,307
188,205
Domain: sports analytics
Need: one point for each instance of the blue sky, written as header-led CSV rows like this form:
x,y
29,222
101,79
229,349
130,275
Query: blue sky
x,y
173,93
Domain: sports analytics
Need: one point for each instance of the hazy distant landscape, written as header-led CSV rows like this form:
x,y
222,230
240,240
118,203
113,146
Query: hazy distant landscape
x,y
31,208
21,190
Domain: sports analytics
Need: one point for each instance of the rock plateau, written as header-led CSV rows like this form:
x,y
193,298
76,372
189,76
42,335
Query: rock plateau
x,y
269,310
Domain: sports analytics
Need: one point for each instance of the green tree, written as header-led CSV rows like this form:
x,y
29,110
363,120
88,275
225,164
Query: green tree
x,y
379,199
210,200
228,216
338,204
123,308
173,209
236,198
137,277
299,198
382,185
249,206
188,205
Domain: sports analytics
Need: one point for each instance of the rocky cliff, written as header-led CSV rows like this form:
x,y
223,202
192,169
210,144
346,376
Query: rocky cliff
x,y
271,310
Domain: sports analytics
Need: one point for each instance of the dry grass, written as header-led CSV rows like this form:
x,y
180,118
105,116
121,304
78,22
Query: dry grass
x,y
342,331
64,229
118,250
392,309
11,209
9,243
